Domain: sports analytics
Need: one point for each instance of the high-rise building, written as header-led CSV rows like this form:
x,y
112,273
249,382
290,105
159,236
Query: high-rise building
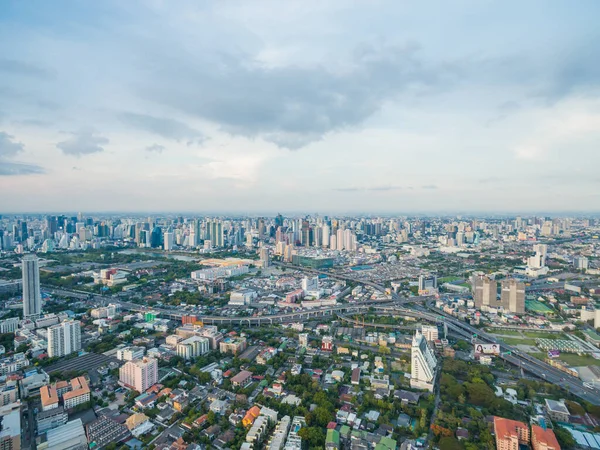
x,y
193,347
510,434
215,228
423,363
32,297
339,239
326,236
485,291
512,296
427,284
264,257
139,374
169,241
64,338
580,263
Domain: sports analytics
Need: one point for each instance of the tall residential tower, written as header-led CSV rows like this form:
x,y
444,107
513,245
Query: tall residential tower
x,y
32,297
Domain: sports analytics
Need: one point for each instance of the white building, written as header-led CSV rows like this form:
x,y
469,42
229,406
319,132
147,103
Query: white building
x,y
310,284
64,338
32,297
9,325
169,241
193,347
242,297
130,353
430,332
423,364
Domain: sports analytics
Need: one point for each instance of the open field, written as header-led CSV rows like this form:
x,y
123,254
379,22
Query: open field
x,y
572,359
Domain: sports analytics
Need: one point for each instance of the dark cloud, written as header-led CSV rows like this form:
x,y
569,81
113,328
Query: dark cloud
x,y
8,168
8,146
290,106
83,143
21,68
155,148
167,128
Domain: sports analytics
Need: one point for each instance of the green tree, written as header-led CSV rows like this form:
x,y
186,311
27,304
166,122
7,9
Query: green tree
x,y
450,443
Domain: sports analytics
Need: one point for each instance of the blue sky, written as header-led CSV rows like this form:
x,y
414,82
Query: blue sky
x,y
375,106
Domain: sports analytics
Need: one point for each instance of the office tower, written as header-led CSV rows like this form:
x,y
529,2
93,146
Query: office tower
x,y
139,374
169,241
264,257
32,297
427,284
539,259
326,238
64,338
580,263
340,239
155,237
485,291
510,434
333,242
423,364
192,239
512,296
318,236
278,221
215,228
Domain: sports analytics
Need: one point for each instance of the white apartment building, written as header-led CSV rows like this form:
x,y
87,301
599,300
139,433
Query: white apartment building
x,y
193,347
423,364
64,338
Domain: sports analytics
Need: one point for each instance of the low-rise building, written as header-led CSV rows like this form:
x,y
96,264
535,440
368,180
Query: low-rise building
x,y
557,410
242,379
53,418
543,439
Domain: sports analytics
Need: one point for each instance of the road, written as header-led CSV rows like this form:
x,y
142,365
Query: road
x,y
395,305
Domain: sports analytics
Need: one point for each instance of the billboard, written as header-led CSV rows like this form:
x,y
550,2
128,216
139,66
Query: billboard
x,y
553,354
486,349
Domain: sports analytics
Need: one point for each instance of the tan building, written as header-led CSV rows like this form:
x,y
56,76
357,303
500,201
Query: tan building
x,y
542,439
485,291
512,296
510,433
49,398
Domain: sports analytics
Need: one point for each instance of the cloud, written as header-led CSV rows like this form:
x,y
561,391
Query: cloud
x,y
429,186
167,128
373,188
155,148
83,143
21,68
290,106
8,168
8,147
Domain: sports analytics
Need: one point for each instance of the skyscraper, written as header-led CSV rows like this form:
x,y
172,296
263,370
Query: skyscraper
x,y
264,257
64,338
423,363
32,297
169,241
512,296
485,291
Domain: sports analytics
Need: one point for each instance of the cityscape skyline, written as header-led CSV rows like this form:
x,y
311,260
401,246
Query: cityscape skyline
x,y
329,108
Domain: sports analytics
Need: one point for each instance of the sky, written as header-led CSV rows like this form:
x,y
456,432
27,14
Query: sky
x,y
335,106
